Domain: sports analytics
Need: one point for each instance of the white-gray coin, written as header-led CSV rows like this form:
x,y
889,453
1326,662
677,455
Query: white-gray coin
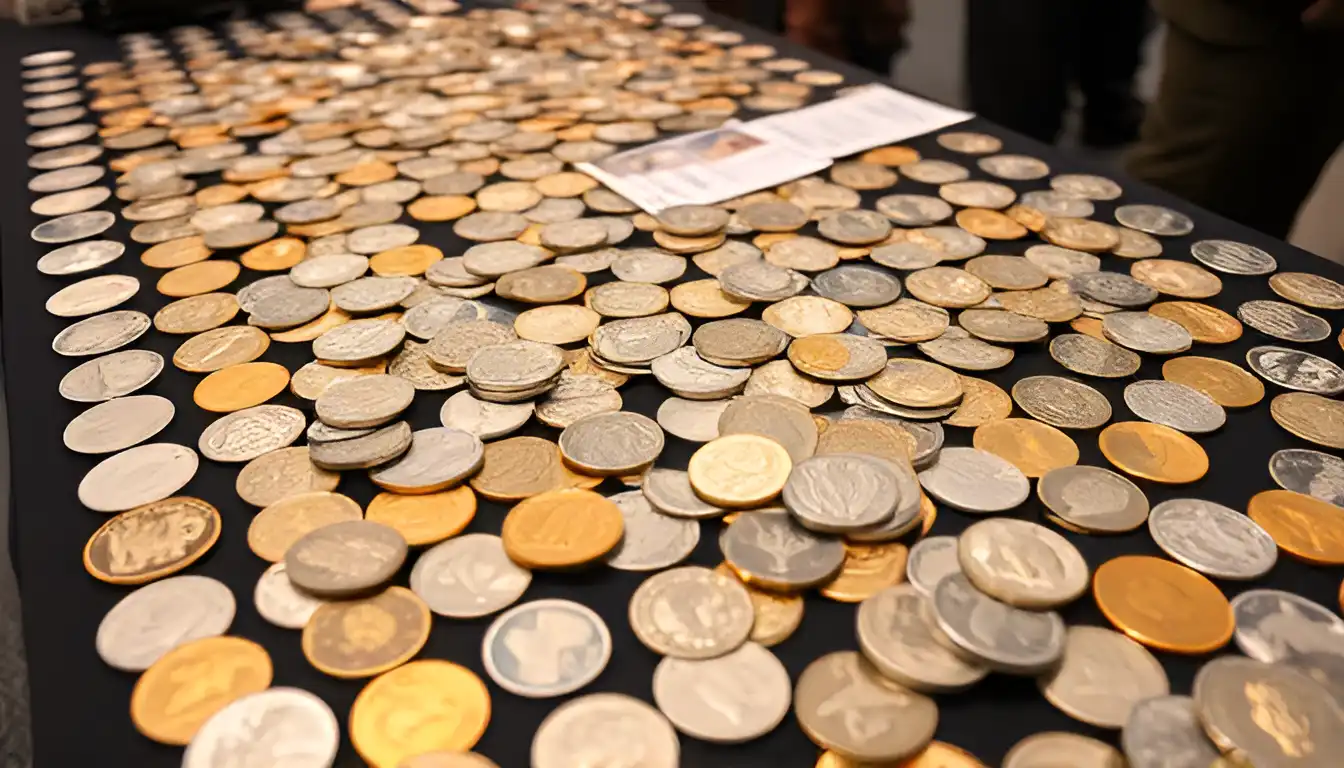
x,y
483,419
80,257
992,551
1174,405
605,729
975,481
278,601
1155,220
691,613
734,698
1284,321
611,443
136,476
686,373
439,457
931,560
372,293
1212,539
244,435
1102,676
92,295
841,492
1144,332
364,401
897,634
109,376
118,424
670,492
468,576
328,271
276,726
101,333
996,634
1297,370
359,340
546,648
652,540
71,201
1165,732
1233,258
158,617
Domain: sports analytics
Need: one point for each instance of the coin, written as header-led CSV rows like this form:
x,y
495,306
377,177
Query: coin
x,y
192,682
1163,605
1233,258
278,602
240,386
1206,324
604,727
152,541
1019,642
1282,628
1102,677
720,606
837,356
749,681
1309,472
361,638
1175,405
739,471
767,548
652,540
840,492
256,727
1303,526
1043,750
1155,220
982,403
967,354
519,640
1092,500
358,341
900,723
906,320
931,560
896,635
1061,402
1033,447
80,257
246,434
158,617
561,529
1177,278
468,576
450,703
994,555
975,480
117,424
1297,370
1284,321
1308,290
1227,384
100,333
346,558
611,443
1165,732
137,476
933,171
1144,332
1053,203
947,287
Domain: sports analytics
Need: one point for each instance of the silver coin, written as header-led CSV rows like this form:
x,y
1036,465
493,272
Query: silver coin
x,y
1054,203
573,236
896,635
364,451
468,576
136,476
278,602
652,540
780,419
1022,564
110,376
412,364
439,457
738,342
647,265
308,212
693,420
158,617
364,401
611,443
575,397
274,725
424,321
1086,185
934,171
908,511
73,201
380,237
914,210
670,492
967,354
318,432
1061,402
1175,405
490,226
1143,332
1284,321
159,209
92,295
891,723
1062,263
841,492
1014,167
976,481
1155,220
1086,355
1297,370
244,435
483,419
66,179
101,333
851,228
780,378
857,286
64,157
554,210
75,226
1093,499
61,135
1283,628
241,235
514,366
995,634
546,648
1113,288
686,373
1233,258
394,191
734,698
770,548
249,295
761,281
604,729
1102,677
345,559
46,58
221,216
906,256
359,340
491,260
118,424
691,613
994,325
1311,472
1212,539
284,306
931,560
1165,732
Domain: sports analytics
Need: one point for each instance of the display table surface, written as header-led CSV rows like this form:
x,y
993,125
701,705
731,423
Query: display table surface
x,y
81,706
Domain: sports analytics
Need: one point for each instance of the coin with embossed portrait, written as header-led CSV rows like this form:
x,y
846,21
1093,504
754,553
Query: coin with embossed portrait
x,y
1102,677
1092,500
1022,564
1310,472
1213,539
546,648
1017,642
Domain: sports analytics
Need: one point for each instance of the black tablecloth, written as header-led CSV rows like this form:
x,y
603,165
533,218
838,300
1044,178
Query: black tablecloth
x,y
80,705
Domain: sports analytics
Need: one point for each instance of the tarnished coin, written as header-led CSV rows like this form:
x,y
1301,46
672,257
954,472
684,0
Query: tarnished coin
x,y
328,271
1009,273
652,540
1053,203
1113,288
438,458
1092,500
110,376
967,354
1165,732
611,443
277,721
647,265
346,558
241,234
1308,290
603,728
1044,750
1136,245
914,210
906,321
853,227
363,451
970,143
691,613
364,401
510,371
575,397
906,256
1102,677
769,549
840,492
490,226
159,617
1014,167
196,314
547,284
101,333
137,476
117,552
1086,185
246,434
1062,403
739,342
1309,472
916,383
947,287
857,286
546,629
359,340
1022,564
837,356
337,638
1175,405
1229,694
280,474
1092,357
468,576
1013,641
760,281
693,220
1233,258
1212,539
895,723
1311,417
1283,321
1145,332
372,294
1080,234
64,157
975,481
1294,369
118,424
80,257
776,216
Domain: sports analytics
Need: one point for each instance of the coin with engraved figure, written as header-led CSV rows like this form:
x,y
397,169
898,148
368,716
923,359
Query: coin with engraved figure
x,y
1284,321
896,634
349,639
546,648
278,725
1213,539
345,558
1061,402
441,705
839,492
244,435
152,541
1057,748
278,602
1021,563
691,613
190,683
1175,405
468,576
1310,472
976,481
768,548
1102,677
1233,258
158,617
1297,370
1093,357
1092,500
844,705
1165,732
994,634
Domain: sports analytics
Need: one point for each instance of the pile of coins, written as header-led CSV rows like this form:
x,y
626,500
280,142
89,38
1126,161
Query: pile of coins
x,y
271,174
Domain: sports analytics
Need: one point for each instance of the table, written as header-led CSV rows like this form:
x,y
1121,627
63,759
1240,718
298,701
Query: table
x,y
80,705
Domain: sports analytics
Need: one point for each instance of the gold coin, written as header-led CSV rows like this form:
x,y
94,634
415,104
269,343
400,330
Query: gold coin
x,y
808,315
201,277
705,298
1163,605
991,225
562,529
486,166
915,383
280,474
891,157
1092,327
520,467
1206,324
869,436
1230,385
983,402
152,541
179,692
739,471
220,348
441,207
240,386
556,324
274,255
548,284
176,253
1153,452
219,194
1043,304
310,381
778,614
1308,290
868,569
318,229
1310,417
364,174
580,363
906,320
928,514
332,318
1303,526
531,235
1080,234
767,240
405,261
565,184
196,314
1031,446
1177,278
274,529
424,706
947,287
936,755
365,637
424,519
686,245
1027,216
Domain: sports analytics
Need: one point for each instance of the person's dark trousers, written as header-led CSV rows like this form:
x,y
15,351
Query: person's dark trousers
x,y
1244,128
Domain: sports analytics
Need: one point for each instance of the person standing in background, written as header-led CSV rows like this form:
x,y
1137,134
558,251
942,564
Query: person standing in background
x,y
1024,56
1250,107
868,33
